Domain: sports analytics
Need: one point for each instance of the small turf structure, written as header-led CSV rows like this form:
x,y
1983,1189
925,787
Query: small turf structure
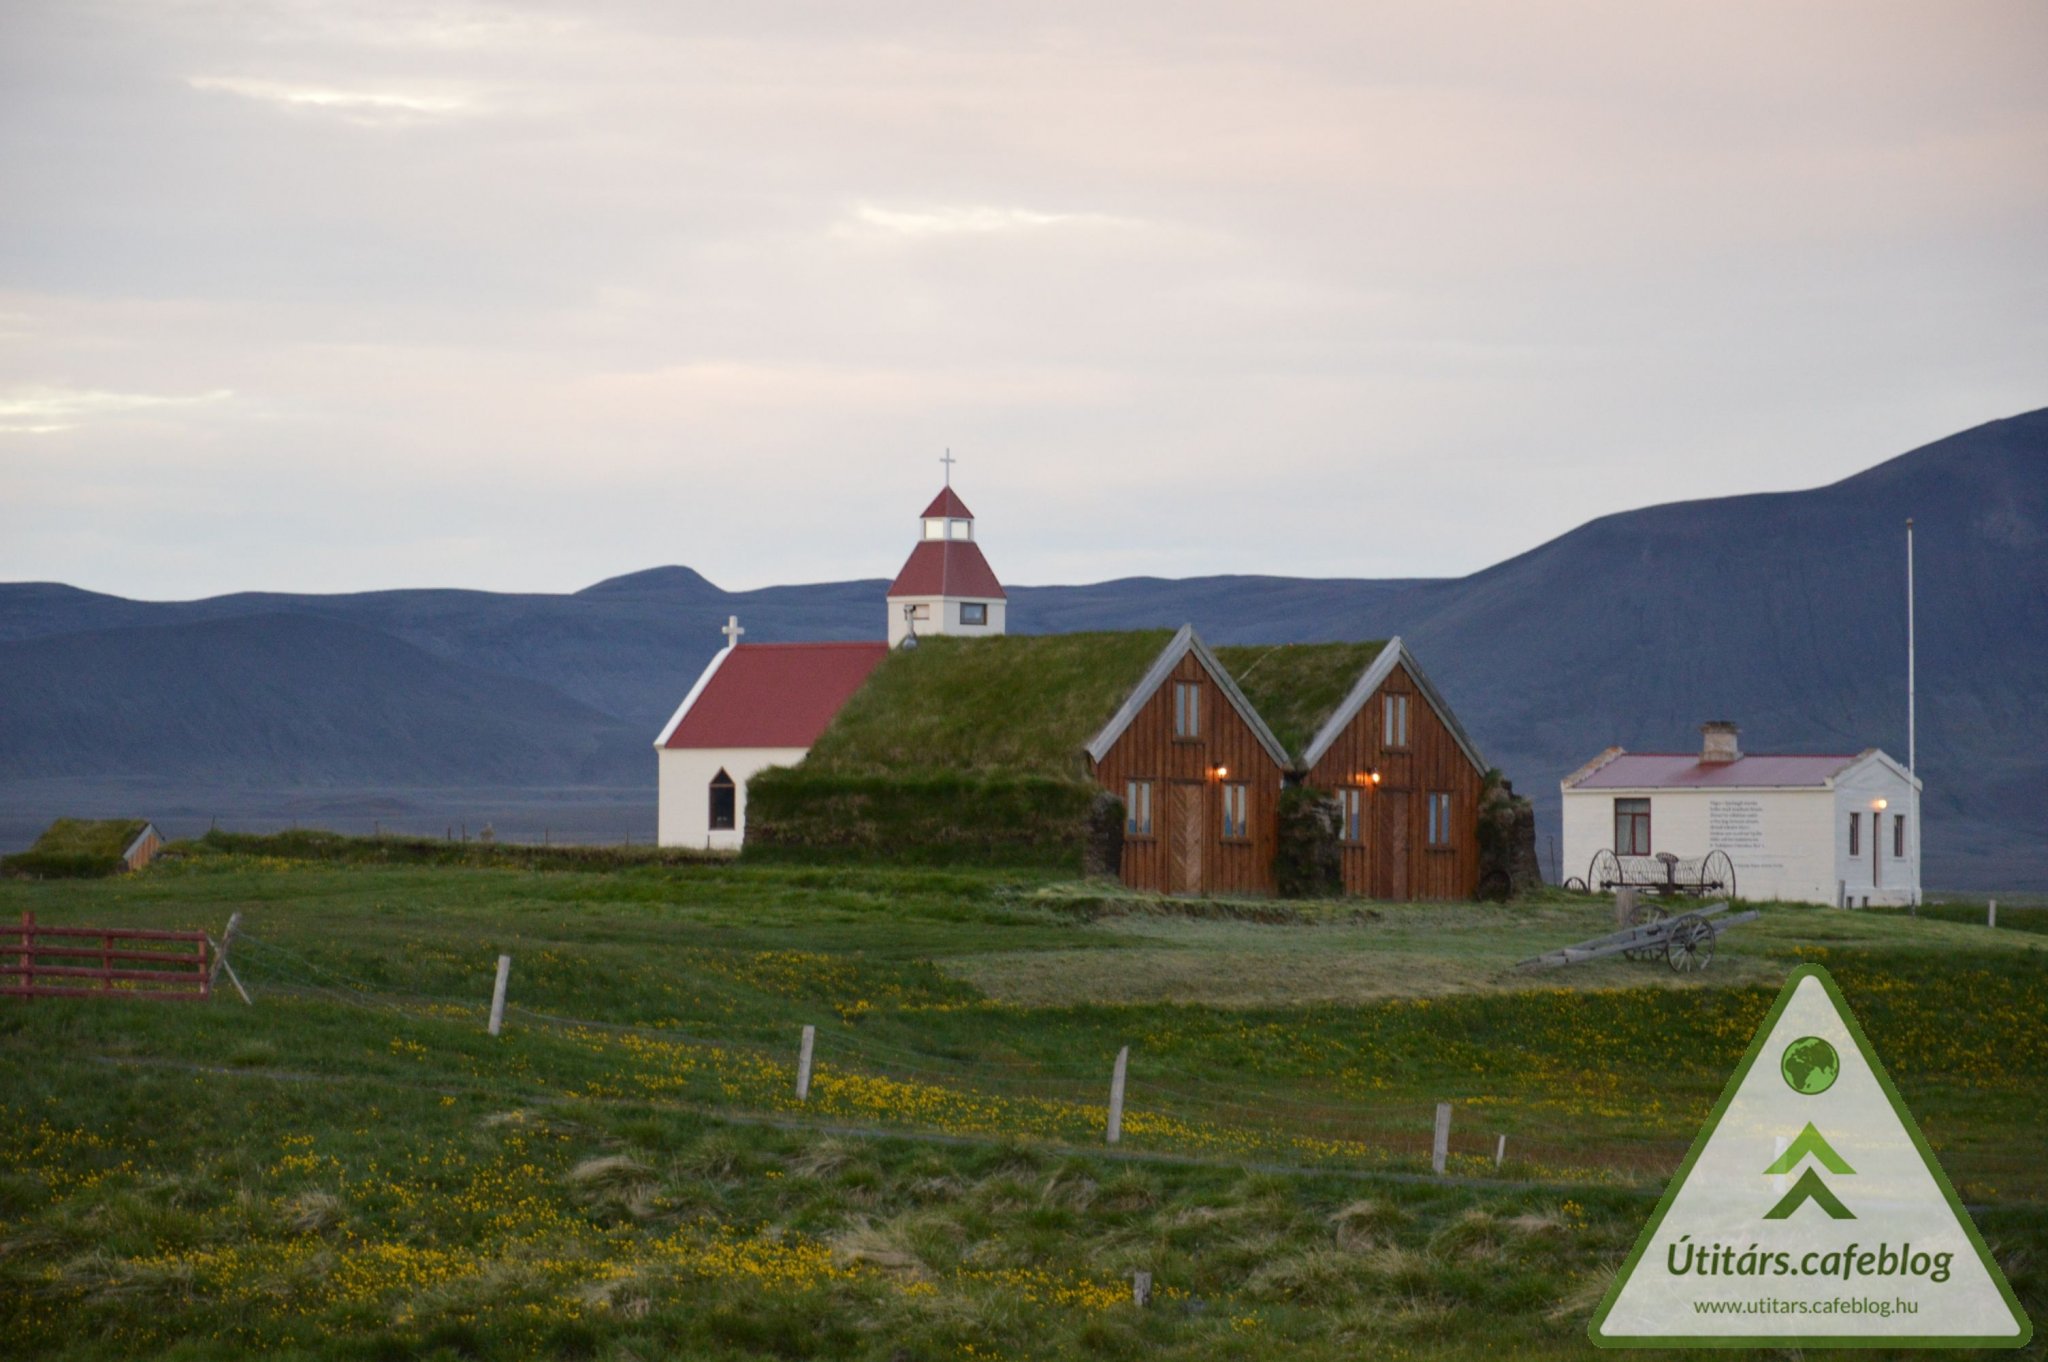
x,y
79,848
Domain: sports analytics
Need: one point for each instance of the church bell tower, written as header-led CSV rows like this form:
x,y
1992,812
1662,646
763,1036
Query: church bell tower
x,y
946,586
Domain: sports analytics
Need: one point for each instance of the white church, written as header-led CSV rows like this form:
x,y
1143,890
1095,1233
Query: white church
x,y
758,705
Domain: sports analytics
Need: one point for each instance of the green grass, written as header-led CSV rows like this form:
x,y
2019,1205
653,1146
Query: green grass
x,y
351,1168
1015,705
1295,687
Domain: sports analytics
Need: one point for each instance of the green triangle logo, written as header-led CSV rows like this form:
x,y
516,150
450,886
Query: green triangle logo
x,y
1810,1212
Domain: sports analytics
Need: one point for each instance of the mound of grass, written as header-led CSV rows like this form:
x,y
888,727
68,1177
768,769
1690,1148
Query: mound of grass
x,y
796,815
1295,687
1015,705
313,844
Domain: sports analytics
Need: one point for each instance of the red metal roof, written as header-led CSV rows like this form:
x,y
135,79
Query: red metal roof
x,y
1680,770
947,567
948,503
776,694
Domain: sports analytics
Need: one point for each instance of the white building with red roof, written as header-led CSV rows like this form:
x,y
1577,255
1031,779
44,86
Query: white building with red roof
x,y
1814,828
756,705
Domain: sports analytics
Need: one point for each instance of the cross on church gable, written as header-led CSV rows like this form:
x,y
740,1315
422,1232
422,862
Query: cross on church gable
x,y
732,631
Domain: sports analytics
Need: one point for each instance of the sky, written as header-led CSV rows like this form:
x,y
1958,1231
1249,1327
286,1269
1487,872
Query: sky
x,y
332,296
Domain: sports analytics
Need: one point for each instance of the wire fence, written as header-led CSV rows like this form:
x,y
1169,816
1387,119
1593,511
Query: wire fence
x,y
860,1077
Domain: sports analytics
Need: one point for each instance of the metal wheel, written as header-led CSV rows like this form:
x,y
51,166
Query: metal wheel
x,y
1691,946
1717,875
1574,885
1604,873
1643,915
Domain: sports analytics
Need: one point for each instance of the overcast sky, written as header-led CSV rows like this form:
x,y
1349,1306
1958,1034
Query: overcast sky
x,y
331,295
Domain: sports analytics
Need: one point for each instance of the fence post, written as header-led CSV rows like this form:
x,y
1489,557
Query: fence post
x,y
1116,1095
1141,1289
28,955
1500,1153
498,993
1991,914
803,1064
1440,1148
220,960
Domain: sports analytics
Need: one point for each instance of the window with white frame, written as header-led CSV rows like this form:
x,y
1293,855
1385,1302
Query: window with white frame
x,y
1439,819
1351,803
1187,709
1394,721
974,612
1236,825
1137,808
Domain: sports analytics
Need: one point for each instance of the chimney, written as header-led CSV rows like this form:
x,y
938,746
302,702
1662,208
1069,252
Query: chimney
x,y
1717,742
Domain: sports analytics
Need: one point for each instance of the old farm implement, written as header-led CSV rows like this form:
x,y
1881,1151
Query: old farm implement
x,y
1685,942
1662,873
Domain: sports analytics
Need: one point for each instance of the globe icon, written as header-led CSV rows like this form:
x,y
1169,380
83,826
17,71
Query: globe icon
x,y
1810,1066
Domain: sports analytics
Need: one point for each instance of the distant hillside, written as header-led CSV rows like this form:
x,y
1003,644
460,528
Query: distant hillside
x,y
1784,612
290,700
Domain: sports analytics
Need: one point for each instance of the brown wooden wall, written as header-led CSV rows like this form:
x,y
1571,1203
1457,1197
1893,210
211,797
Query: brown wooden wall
x,y
1397,809
1149,751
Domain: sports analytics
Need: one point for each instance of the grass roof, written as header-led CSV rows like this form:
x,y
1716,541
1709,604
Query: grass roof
x,y
1296,686
90,836
1016,703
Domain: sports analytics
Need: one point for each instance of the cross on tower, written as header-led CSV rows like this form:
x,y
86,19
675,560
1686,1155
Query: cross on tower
x,y
949,461
732,631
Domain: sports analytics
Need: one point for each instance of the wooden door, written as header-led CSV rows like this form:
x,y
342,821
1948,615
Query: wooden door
x,y
1185,827
1393,847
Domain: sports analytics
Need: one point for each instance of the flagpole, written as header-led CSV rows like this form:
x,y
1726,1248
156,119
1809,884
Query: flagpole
x,y
1912,715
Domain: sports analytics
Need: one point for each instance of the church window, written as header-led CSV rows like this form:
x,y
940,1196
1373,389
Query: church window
x,y
1439,820
1352,802
918,612
1899,836
974,613
1394,712
1631,827
1855,834
1235,824
1137,808
724,803
1187,709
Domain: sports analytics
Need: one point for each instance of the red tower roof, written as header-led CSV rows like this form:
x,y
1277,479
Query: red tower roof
x,y
947,567
947,503
773,694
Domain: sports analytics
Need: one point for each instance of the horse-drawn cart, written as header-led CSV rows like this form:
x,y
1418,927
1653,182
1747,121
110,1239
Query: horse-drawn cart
x,y
1662,873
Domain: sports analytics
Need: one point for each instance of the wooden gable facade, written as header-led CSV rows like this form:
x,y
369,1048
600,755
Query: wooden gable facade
x,y
1200,775
1408,782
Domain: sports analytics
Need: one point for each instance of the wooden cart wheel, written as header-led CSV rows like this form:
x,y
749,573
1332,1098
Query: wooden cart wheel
x,y
1691,945
1644,914
1717,875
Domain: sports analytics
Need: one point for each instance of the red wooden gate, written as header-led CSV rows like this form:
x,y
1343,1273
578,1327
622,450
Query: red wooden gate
x,y
105,962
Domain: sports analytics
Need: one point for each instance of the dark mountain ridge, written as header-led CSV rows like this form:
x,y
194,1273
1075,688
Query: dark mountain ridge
x,y
1784,611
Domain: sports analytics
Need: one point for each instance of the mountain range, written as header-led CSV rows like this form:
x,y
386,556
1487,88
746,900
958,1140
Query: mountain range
x,y
1783,611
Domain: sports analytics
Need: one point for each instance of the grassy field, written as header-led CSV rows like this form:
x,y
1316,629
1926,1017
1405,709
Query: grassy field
x,y
351,1168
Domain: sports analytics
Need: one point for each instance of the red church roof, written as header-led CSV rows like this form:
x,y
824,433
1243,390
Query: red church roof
x,y
772,694
947,503
947,567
